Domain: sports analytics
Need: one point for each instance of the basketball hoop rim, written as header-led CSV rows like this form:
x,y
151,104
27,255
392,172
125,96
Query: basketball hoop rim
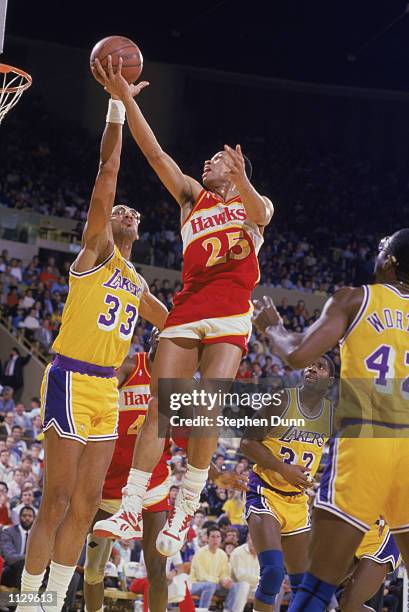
x,y
5,69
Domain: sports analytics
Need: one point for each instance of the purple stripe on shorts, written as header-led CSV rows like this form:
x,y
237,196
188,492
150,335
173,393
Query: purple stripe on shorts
x,y
83,367
326,477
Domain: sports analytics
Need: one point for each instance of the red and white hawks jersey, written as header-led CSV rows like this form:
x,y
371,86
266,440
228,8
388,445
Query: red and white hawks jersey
x,y
134,396
220,269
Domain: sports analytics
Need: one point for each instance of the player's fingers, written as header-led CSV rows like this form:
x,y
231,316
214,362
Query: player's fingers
x,y
99,69
119,69
239,151
230,152
109,66
143,84
268,302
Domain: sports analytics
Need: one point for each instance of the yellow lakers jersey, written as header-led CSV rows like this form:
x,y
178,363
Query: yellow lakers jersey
x,y
297,444
100,314
375,361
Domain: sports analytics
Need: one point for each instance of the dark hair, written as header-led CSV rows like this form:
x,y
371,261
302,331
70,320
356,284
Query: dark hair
x,y
15,349
213,528
248,166
331,365
200,511
398,247
5,484
26,508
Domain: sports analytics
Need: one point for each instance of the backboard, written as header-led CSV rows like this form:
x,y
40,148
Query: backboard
x,y
3,11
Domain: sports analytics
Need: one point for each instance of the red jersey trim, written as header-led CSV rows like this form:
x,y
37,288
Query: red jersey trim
x,y
138,366
196,204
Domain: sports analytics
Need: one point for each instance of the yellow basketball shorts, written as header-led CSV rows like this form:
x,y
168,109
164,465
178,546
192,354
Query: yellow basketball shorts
x,y
79,406
290,511
379,548
366,478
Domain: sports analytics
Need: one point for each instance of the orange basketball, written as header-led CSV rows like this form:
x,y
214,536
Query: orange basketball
x,y
119,46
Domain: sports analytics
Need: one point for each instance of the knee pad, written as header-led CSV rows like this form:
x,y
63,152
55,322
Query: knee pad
x,y
295,581
97,555
271,575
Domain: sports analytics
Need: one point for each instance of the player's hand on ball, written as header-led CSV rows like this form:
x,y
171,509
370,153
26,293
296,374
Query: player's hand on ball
x,y
234,160
232,480
296,475
114,83
266,314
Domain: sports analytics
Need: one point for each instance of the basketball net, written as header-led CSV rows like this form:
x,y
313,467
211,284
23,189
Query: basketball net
x,y
13,83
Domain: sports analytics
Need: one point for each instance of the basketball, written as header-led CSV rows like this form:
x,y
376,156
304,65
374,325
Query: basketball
x,y
119,46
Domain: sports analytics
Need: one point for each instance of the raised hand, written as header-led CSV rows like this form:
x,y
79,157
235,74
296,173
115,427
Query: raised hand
x,y
232,480
235,162
114,82
266,314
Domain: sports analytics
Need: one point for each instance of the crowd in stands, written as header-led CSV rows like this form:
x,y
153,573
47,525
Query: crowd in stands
x,y
330,209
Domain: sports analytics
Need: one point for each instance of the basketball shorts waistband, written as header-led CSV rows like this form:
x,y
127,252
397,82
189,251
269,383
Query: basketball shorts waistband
x,y
83,367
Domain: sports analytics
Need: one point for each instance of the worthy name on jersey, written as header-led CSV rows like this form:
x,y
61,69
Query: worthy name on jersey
x,y
228,215
388,318
293,434
119,281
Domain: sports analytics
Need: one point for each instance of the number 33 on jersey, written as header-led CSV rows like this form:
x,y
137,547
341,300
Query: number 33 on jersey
x,y
105,300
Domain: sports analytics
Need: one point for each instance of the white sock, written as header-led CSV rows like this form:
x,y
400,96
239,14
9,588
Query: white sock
x,y
137,482
194,480
58,581
31,582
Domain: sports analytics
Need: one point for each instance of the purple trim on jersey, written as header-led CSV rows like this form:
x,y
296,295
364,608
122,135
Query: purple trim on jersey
x,y
82,367
92,270
404,296
55,401
359,315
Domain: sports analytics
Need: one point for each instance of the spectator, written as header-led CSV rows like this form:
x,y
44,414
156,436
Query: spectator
x,y
210,573
234,508
13,371
36,464
5,466
5,518
36,430
16,483
245,571
26,501
19,446
6,400
6,427
21,418
13,545
216,498
14,456
27,467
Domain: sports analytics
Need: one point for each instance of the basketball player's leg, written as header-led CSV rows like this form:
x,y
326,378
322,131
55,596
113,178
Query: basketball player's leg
x,y
331,551
59,485
97,554
295,548
265,532
176,358
218,362
155,562
85,499
364,583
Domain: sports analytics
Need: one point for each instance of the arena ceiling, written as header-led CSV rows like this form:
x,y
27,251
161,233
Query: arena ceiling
x,y
308,40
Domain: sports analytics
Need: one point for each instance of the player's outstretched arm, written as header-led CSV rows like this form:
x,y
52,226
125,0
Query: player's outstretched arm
x,y
184,189
151,309
299,350
259,208
97,239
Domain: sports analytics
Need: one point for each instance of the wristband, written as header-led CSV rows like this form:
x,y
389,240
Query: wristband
x,y
116,112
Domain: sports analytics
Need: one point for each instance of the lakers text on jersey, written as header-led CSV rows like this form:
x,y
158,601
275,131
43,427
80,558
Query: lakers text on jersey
x,y
79,391
367,474
268,491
